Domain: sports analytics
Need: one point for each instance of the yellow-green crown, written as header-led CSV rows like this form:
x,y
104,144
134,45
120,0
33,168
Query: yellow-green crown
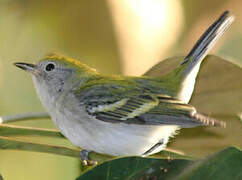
x,y
70,61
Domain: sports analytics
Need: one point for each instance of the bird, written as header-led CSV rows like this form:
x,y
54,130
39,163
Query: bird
x,y
122,115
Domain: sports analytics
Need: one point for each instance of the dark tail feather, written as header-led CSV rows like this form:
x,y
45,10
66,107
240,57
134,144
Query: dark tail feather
x,y
207,41
184,76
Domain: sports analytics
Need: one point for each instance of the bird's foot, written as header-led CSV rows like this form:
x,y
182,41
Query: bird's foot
x,y
85,160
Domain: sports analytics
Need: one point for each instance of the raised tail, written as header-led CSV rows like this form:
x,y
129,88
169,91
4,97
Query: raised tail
x,y
207,41
184,76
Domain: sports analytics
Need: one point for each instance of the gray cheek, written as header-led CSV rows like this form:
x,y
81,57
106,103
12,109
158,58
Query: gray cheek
x,y
54,84
61,85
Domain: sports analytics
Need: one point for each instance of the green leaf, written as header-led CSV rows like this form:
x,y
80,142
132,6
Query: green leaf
x,y
225,164
129,168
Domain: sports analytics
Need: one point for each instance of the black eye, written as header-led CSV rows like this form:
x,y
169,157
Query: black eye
x,y
49,67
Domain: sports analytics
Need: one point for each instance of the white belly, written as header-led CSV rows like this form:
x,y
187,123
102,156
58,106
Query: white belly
x,y
118,139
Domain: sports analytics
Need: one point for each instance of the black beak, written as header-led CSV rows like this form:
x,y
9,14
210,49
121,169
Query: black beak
x,y
26,66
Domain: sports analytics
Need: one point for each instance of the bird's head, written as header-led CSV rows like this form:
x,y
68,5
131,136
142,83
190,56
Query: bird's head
x,y
56,73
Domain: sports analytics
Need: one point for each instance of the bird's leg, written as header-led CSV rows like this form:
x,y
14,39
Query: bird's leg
x,y
85,160
161,142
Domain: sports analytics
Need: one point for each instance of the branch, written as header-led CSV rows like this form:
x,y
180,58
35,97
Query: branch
x,y
17,144
25,116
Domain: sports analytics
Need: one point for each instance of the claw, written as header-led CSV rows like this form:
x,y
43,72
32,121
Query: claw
x,y
91,162
85,160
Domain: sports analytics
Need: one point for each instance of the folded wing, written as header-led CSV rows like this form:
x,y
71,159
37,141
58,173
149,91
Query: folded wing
x,y
137,107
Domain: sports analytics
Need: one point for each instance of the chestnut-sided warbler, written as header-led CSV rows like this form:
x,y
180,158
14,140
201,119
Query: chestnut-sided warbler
x,y
120,115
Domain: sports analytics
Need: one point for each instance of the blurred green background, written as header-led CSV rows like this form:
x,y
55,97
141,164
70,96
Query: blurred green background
x,y
121,37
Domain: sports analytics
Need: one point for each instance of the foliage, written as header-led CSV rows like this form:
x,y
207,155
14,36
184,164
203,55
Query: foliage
x,y
225,164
